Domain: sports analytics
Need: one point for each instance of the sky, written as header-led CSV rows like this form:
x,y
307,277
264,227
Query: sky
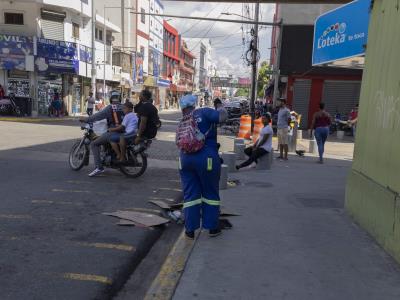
x,y
226,38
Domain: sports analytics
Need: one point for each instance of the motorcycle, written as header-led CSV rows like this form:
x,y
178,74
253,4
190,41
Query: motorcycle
x,y
8,106
136,156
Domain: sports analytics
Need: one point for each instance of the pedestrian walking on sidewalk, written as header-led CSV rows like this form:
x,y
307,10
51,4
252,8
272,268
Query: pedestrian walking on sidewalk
x,y
263,145
199,165
284,119
320,124
90,104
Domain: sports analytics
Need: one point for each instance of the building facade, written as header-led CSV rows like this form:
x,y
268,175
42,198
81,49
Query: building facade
x,y
46,50
303,85
186,69
171,61
201,48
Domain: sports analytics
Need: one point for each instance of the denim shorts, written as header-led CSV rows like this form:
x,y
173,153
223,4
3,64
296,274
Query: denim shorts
x,y
116,136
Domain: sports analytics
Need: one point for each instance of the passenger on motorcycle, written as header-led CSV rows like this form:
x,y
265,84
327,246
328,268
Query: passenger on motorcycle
x,y
114,114
148,117
124,132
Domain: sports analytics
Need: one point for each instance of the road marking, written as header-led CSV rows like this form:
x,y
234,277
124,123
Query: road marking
x,y
79,191
70,191
4,216
57,202
121,247
170,189
87,277
160,198
80,182
164,285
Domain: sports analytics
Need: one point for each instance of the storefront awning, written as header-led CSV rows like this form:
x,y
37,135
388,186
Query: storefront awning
x,y
150,82
342,34
163,83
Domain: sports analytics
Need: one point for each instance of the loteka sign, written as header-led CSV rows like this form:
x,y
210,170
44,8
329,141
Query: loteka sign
x,y
341,33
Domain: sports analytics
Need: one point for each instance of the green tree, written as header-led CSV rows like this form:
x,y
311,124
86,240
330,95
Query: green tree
x,y
263,78
242,92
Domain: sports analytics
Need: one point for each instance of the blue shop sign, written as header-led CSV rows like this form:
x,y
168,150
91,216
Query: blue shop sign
x,y
13,51
85,54
341,33
57,57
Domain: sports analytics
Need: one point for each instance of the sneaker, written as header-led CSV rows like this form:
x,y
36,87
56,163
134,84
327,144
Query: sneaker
x,y
189,235
237,168
214,232
96,172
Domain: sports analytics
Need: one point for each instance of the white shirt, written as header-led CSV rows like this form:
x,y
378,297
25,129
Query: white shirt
x,y
130,122
90,102
268,144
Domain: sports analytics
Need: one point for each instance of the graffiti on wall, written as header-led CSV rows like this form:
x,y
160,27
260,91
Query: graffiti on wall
x,y
387,111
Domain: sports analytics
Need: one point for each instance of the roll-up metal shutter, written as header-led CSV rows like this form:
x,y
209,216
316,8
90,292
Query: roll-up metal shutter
x,y
301,100
341,96
52,24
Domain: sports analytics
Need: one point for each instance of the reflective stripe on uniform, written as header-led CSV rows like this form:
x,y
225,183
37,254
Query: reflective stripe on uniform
x,y
191,203
211,202
209,164
179,164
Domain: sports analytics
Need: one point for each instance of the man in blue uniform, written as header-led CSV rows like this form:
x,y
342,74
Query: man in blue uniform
x,y
200,171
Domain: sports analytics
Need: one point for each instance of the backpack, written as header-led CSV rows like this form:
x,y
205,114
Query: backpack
x,y
189,138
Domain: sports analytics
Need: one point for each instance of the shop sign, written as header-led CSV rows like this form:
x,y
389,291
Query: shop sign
x,y
85,54
57,57
137,69
341,33
14,51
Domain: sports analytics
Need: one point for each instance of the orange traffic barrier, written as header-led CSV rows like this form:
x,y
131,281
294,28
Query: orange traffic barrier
x,y
258,126
245,127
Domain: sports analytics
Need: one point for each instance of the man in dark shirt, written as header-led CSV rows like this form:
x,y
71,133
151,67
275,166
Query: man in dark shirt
x,y
148,117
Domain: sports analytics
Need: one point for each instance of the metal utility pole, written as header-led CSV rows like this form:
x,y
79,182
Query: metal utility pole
x,y
123,23
278,49
93,49
254,63
104,54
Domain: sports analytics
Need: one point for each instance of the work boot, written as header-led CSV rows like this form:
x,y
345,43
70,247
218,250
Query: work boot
x,y
214,232
189,235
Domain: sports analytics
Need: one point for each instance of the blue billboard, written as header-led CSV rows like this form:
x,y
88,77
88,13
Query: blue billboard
x,y
13,50
341,33
57,57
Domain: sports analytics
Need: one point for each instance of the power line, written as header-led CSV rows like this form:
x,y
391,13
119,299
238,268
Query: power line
x,y
201,20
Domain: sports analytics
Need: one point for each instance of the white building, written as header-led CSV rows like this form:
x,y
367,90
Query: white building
x,y
55,37
143,37
202,49
119,12
156,38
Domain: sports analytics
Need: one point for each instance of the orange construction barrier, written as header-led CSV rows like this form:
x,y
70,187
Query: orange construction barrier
x,y
245,127
258,126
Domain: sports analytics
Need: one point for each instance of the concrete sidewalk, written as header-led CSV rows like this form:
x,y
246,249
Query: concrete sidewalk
x,y
293,241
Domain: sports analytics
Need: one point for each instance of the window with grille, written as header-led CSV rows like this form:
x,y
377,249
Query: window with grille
x,y
75,30
14,18
143,16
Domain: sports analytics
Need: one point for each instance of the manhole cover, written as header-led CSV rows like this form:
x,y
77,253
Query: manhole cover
x,y
320,203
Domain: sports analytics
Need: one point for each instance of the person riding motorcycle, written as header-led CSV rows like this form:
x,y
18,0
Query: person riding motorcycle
x,y
114,115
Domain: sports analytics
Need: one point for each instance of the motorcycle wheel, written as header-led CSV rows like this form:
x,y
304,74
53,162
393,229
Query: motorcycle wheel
x,y
137,164
77,156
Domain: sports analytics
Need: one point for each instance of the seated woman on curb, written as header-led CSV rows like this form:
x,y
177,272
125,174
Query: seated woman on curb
x,y
262,146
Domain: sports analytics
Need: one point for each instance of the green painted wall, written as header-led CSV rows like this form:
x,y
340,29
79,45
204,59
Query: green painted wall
x,y
372,194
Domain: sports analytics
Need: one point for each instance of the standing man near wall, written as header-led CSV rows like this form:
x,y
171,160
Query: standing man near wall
x,y
282,125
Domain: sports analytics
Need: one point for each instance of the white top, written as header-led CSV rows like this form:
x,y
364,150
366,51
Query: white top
x,y
283,117
90,102
268,144
130,122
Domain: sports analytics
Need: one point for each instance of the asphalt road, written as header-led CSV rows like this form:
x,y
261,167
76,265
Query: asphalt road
x,y
55,242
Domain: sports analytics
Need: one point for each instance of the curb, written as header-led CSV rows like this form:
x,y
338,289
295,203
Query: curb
x,y
164,285
35,120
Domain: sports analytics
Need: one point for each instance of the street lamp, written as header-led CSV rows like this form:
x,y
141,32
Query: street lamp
x,y
233,14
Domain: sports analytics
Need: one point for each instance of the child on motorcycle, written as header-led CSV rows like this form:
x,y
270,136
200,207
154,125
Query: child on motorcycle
x,y
127,130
